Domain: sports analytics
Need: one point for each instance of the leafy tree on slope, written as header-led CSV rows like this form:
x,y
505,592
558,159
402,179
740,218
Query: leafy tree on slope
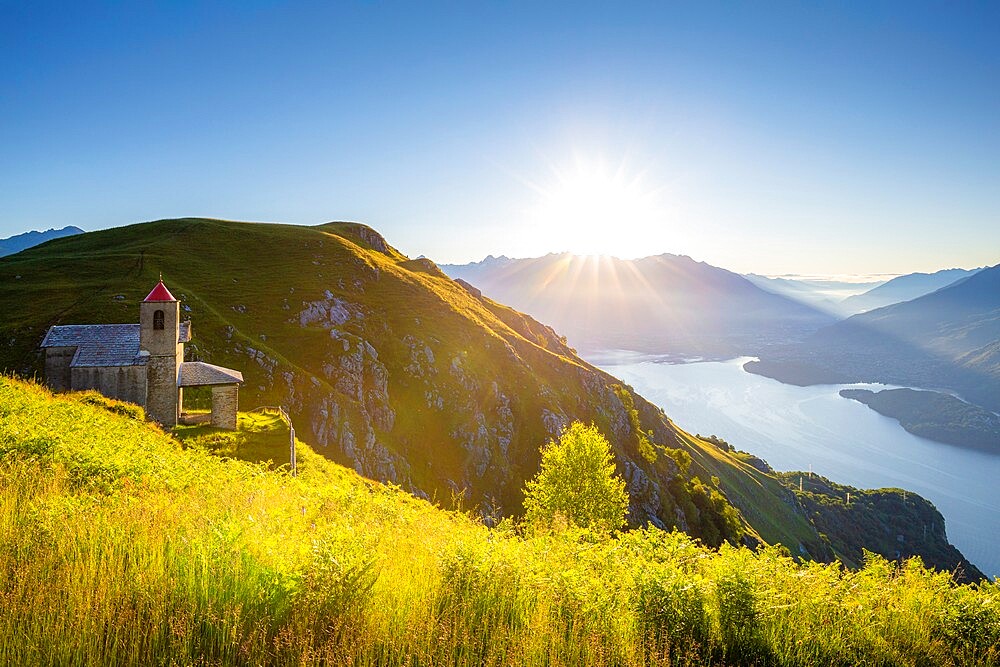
x,y
577,482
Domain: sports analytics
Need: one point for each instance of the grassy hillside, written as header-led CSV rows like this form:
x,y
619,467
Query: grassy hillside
x,y
386,364
120,546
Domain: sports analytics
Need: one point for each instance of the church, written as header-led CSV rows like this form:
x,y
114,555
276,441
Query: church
x,y
140,363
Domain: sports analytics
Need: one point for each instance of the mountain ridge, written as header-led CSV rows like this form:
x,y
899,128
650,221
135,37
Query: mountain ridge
x,y
30,239
905,288
377,356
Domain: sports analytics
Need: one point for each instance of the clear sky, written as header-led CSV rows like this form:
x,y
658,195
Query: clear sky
x,y
854,137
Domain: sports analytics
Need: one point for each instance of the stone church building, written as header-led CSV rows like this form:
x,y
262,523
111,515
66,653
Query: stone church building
x,y
141,363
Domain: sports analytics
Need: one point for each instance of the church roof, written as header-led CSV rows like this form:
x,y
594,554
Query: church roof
x,y
104,344
199,374
98,344
160,293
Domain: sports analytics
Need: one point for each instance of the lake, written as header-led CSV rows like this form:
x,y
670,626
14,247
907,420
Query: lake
x,y
794,428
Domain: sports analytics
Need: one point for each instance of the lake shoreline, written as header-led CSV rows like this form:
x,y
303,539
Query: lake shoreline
x,y
934,415
795,428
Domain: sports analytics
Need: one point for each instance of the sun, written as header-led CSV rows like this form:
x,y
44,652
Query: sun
x,y
593,207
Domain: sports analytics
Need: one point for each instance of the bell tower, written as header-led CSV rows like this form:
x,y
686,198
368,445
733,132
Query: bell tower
x,y
159,337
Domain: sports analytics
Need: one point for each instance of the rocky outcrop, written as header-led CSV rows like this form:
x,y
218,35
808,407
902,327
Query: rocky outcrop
x,y
644,495
364,233
348,405
474,291
352,407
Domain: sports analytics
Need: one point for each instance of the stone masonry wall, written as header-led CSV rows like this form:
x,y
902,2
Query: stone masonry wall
x,y
162,394
225,403
57,361
125,383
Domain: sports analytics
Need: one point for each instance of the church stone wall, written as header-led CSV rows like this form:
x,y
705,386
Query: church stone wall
x,y
162,393
57,361
225,402
125,383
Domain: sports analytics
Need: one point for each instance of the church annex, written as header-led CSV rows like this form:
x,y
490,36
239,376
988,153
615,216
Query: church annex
x,y
141,363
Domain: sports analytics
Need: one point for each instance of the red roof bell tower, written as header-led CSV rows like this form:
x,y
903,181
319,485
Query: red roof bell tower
x,y
159,340
160,293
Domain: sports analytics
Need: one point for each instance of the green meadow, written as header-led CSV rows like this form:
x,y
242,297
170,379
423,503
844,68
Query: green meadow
x,y
124,545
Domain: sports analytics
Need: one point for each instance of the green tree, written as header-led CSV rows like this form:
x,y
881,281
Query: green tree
x,y
577,482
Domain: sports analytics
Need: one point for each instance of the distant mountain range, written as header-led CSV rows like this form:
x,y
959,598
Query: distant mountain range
x,y
665,304
948,339
27,240
844,298
904,288
825,294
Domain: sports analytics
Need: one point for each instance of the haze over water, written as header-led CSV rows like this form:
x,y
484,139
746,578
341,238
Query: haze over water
x,y
794,428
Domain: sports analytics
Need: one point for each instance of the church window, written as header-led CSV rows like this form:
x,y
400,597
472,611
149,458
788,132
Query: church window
x,y
158,319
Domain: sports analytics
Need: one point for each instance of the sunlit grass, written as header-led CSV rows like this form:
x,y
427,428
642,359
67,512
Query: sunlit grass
x,y
118,545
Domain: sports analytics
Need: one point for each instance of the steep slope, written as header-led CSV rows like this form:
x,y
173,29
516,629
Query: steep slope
x,y
385,363
947,339
904,288
19,242
663,304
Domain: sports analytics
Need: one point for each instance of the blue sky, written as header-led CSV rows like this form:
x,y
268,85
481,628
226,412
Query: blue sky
x,y
776,138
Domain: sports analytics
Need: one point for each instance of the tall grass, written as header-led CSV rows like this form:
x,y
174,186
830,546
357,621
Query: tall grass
x,y
119,547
